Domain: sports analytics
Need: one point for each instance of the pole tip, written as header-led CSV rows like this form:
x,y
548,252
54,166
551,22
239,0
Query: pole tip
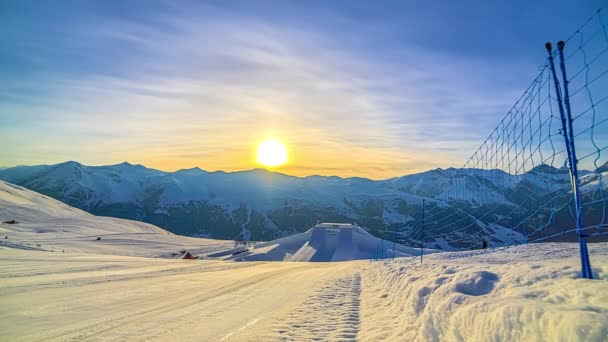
x,y
560,44
548,47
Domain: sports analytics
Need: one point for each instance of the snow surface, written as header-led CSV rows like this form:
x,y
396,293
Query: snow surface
x,y
523,293
47,224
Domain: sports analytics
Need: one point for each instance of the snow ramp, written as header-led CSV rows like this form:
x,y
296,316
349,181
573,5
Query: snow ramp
x,y
325,242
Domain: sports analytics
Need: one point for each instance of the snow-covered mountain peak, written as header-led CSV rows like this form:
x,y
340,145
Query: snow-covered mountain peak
x,y
262,204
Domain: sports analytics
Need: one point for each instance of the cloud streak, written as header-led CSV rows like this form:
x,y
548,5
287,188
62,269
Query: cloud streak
x,y
199,85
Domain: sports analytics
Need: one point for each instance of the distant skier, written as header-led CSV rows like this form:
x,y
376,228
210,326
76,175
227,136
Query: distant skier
x,y
484,244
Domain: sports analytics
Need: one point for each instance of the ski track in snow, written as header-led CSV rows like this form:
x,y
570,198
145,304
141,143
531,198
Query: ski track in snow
x,y
182,311
241,328
330,314
103,298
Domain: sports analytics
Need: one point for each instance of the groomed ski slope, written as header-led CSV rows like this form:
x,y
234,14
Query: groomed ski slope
x,y
524,293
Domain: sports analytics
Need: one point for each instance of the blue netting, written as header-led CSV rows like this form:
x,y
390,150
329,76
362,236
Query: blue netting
x,y
516,187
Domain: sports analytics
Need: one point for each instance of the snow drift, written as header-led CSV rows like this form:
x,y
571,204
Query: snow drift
x,y
530,292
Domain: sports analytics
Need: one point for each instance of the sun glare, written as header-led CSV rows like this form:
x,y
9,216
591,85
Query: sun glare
x,y
272,153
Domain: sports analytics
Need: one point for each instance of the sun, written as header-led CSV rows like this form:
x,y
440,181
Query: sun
x,y
272,153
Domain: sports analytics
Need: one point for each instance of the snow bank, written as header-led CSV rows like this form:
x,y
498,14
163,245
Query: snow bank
x,y
523,293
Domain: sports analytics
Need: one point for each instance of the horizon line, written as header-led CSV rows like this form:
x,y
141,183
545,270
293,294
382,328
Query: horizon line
x,y
264,169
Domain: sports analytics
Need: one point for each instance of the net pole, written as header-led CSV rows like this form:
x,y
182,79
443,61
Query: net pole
x,y
568,136
582,237
394,241
422,234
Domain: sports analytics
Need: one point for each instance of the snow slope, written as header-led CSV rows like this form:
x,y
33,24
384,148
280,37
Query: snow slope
x,y
525,293
47,224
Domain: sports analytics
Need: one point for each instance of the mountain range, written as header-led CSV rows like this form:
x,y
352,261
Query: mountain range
x,y
462,206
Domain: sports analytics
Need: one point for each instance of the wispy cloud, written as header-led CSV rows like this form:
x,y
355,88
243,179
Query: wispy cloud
x,y
198,85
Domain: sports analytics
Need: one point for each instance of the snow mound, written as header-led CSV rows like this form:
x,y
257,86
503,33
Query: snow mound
x,y
325,242
476,284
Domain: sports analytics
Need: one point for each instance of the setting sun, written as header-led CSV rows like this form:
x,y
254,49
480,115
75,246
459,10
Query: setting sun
x,y
272,153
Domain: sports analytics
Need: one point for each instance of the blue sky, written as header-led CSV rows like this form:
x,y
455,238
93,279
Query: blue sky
x,y
373,89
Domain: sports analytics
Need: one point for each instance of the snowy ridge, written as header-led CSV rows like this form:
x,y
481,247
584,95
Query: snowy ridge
x,y
262,205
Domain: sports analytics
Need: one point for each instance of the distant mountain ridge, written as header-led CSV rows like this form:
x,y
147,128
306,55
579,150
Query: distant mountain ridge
x,y
263,205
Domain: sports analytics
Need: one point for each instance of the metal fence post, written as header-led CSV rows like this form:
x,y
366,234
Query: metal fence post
x,y
394,241
422,233
566,119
